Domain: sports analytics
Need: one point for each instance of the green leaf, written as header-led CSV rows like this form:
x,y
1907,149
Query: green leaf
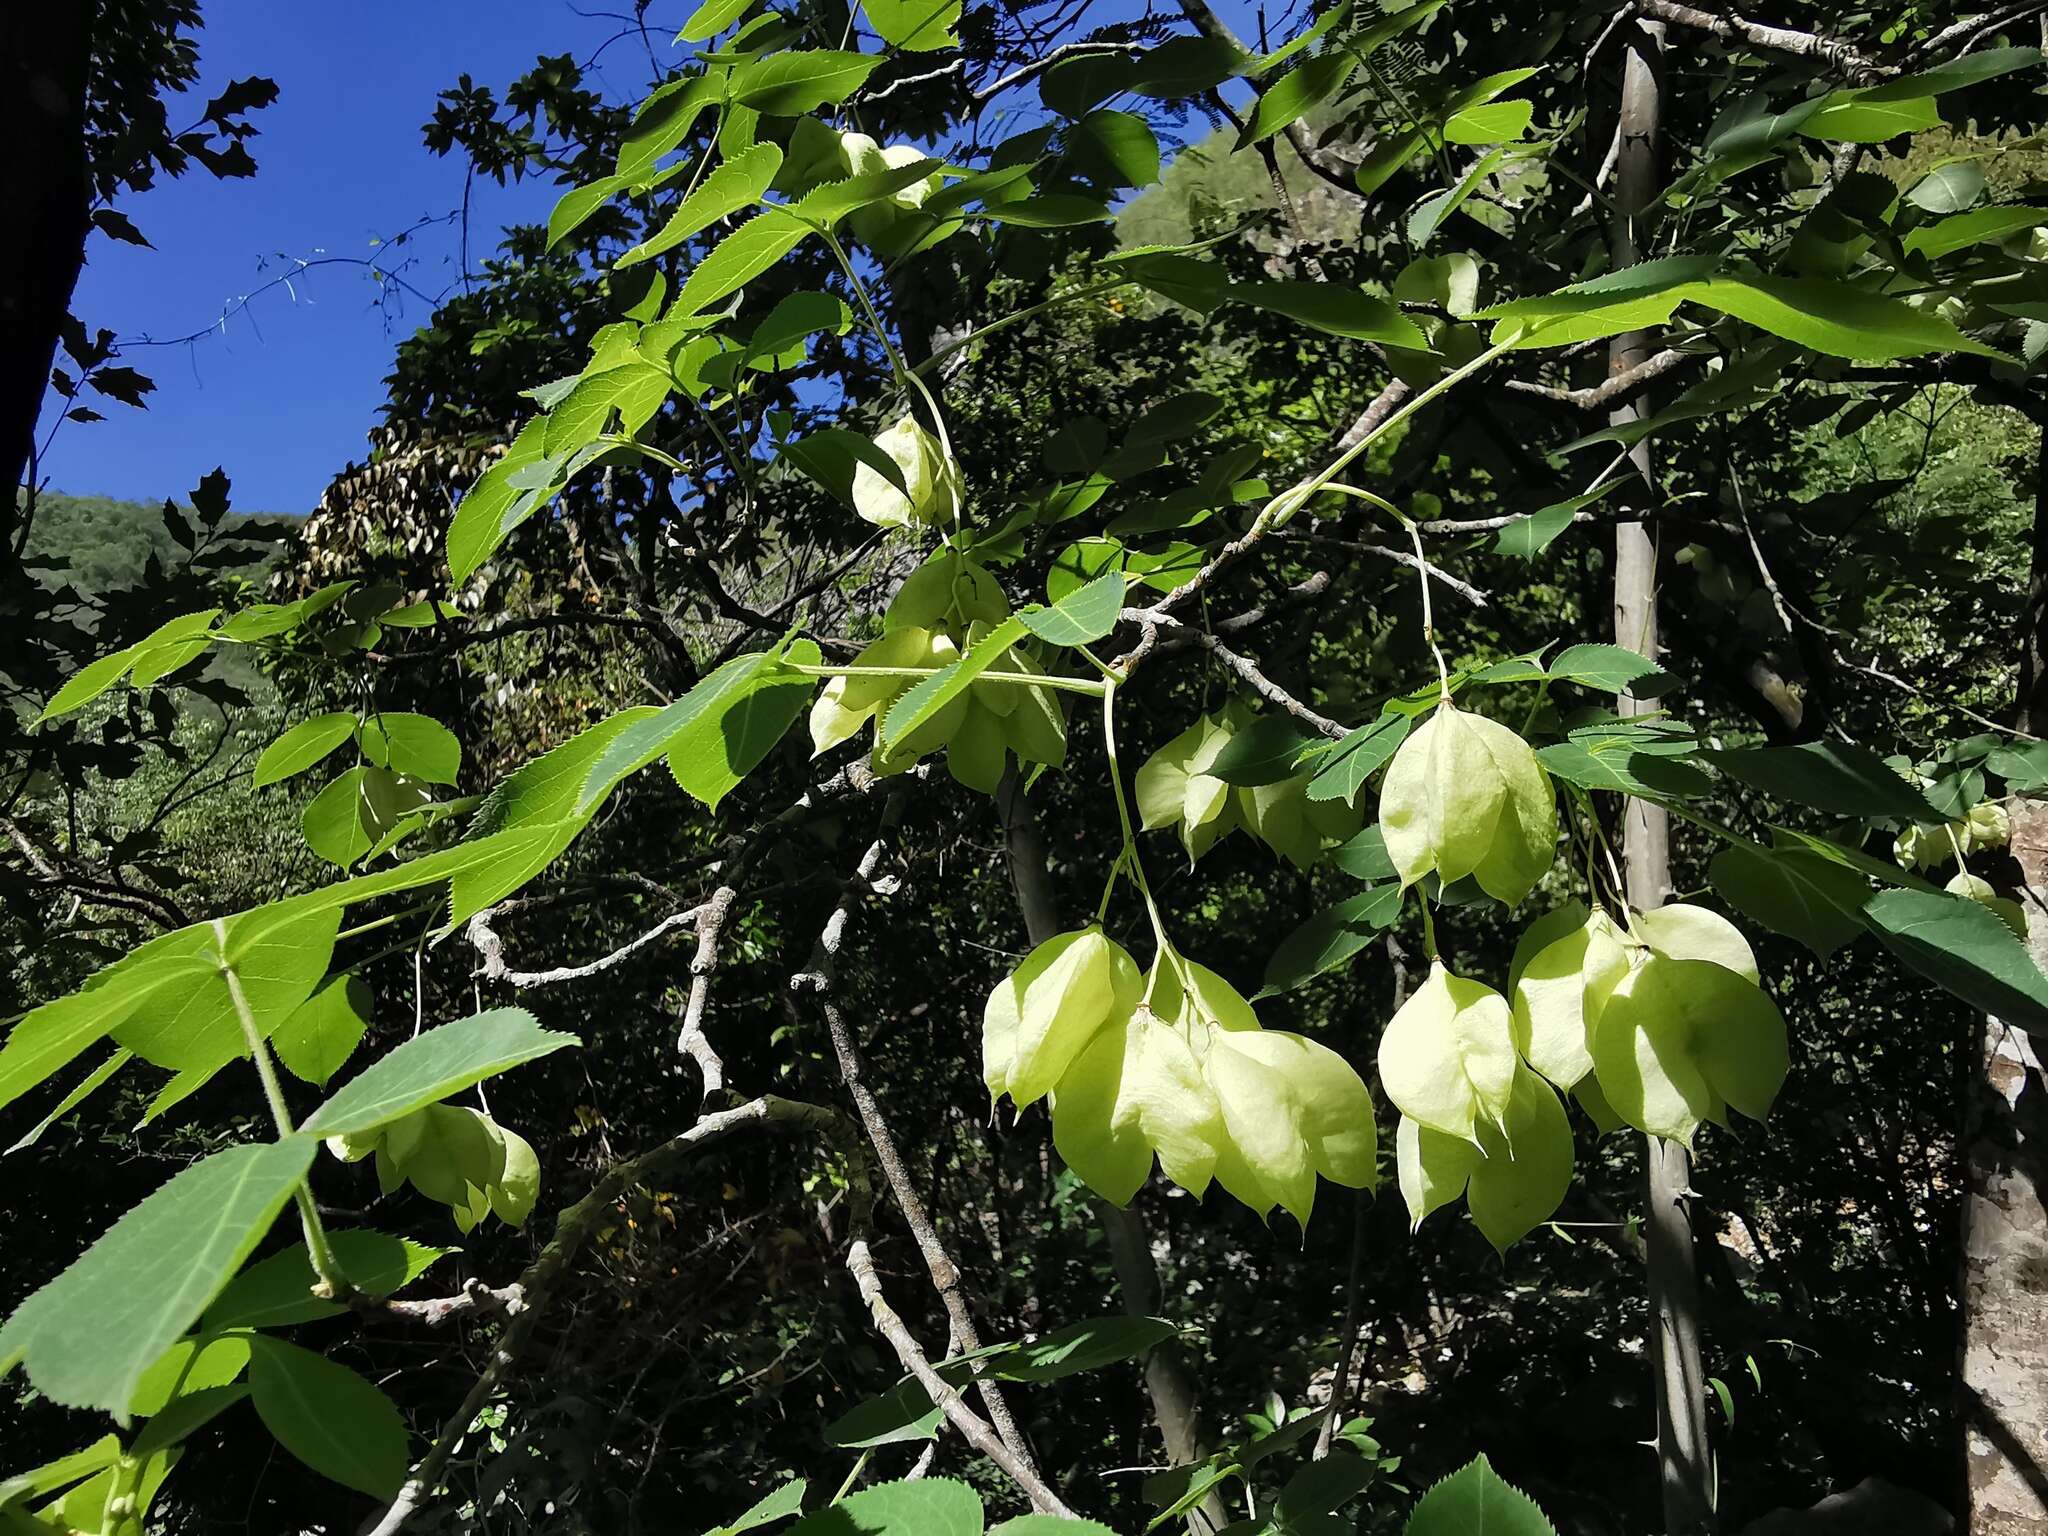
x,y
1835,777
1956,74
1054,210
190,1365
329,1417
1838,318
1490,123
634,388
94,1080
87,684
795,318
830,456
579,203
918,26
712,18
1343,772
1083,615
1331,937
737,260
1334,308
690,725
801,80
417,746
1618,764
1365,857
432,1066
167,1002
922,701
88,1336
1324,1486
1613,669
1948,188
2023,766
1081,1347
1965,948
770,1507
63,1472
932,1506
1048,1525
1527,537
479,525
903,1414
1475,1502
1855,117
1944,236
1429,214
185,1415
1269,750
301,747
1186,66
279,1291
1295,95
353,813
1122,141
1800,895
666,117
739,183
182,1015
324,1031
709,757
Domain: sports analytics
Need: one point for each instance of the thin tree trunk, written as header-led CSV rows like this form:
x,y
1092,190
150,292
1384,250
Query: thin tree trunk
x,y
1168,1380
2003,1289
1684,1467
45,58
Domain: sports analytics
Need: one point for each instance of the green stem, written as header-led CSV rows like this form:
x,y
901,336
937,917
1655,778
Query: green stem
x,y
1130,859
902,369
1292,500
852,1477
281,1115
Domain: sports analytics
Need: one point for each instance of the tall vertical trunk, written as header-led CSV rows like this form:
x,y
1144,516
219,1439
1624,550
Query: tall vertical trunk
x,y
2003,1291
1168,1381
45,56
1684,1468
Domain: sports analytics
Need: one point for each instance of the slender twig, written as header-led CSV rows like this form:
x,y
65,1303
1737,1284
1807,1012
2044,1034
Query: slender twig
x,y
1609,390
1842,58
691,1039
491,948
1264,686
818,979
860,1263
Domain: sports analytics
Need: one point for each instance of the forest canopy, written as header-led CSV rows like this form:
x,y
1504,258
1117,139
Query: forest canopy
x,y
1277,772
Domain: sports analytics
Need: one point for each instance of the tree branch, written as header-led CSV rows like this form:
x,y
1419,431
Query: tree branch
x,y
1856,67
818,978
491,947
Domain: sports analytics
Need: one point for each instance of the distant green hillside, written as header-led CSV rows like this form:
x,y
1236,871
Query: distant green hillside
x,y
107,542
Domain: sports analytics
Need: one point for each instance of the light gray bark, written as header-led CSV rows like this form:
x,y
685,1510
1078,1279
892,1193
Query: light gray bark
x,y
2004,1287
1683,1455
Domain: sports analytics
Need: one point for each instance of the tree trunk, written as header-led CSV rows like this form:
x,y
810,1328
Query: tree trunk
x,y
2003,1290
45,57
1684,1467
1168,1380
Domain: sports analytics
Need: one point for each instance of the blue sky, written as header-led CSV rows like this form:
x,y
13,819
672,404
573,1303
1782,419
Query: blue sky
x,y
282,395
282,392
